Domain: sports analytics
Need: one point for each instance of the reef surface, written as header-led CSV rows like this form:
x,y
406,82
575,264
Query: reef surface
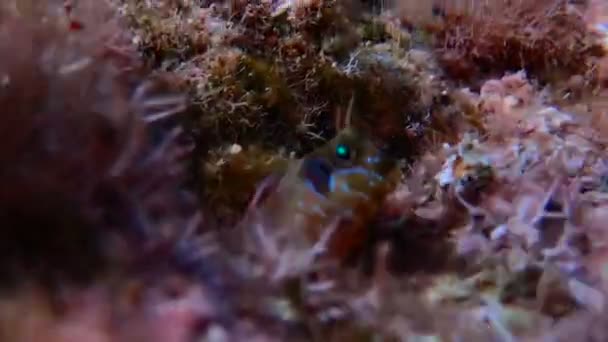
x,y
314,170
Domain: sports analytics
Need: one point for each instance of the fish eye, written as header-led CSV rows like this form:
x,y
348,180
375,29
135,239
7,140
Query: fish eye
x,y
343,151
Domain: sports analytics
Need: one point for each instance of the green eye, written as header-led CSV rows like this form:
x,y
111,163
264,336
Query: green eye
x,y
343,151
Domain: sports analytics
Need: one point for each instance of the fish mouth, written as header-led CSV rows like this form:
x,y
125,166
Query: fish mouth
x,y
317,172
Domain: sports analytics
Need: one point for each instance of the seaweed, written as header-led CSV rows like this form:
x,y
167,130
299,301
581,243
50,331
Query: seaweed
x,y
464,199
476,40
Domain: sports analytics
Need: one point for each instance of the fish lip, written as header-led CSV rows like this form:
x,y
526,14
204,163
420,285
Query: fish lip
x,y
317,172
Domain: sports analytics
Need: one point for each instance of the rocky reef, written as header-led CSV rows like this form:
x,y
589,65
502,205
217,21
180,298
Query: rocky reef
x,y
317,170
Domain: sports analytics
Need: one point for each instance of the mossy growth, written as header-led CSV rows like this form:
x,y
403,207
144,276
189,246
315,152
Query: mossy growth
x,y
549,39
166,32
232,175
258,73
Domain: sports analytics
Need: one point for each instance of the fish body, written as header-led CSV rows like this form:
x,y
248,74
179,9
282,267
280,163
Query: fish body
x,y
329,195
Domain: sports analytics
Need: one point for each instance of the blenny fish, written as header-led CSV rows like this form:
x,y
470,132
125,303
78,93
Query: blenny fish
x,y
331,194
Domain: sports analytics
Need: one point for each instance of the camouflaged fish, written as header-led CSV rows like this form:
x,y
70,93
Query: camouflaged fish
x,y
332,193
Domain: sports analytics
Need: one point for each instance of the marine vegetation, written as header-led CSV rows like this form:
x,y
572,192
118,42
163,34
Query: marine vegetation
x,y
319,170
475,39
